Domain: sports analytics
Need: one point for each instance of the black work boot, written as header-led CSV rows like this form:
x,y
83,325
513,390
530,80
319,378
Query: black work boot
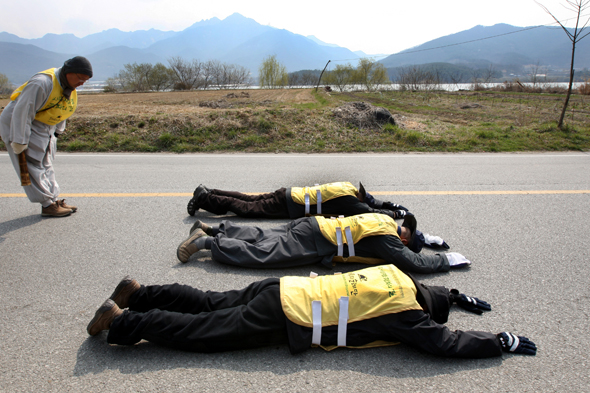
x,y
193,204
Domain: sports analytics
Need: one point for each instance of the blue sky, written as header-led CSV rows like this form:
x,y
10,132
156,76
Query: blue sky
x,y
373,26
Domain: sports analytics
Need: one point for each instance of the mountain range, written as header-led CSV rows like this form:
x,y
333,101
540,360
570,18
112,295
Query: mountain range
x,y
233,40
500,44
242,41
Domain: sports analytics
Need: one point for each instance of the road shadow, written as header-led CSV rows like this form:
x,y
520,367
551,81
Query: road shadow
x,y
95,356
18,223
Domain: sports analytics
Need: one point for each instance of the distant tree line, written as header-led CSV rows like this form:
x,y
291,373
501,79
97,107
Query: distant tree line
x,y
431,76
180,75
368,75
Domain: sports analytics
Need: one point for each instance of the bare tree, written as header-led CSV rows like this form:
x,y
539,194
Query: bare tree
x,y
455,77
308,78
341,76
488,74
227,76
239,76
135,77
294,79
186,73
114,84
215,74
207,74
418,78
160,77
5,85
575,36
535,72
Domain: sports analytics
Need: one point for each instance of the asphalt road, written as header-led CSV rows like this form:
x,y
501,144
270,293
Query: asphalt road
x,y
522,219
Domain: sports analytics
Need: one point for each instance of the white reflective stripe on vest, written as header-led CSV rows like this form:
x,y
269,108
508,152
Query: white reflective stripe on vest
x,y
319,204
342,321
306,203
339,241
350,242
316,311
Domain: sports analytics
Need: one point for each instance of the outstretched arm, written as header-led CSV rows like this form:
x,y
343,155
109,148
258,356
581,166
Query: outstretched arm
x,y
392,250
416,329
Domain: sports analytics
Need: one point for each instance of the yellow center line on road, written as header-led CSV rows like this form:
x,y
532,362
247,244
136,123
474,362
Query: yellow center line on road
x,y
188,194
496,192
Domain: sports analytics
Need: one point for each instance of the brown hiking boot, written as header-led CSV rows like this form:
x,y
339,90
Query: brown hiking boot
x,y
124,290
55,210
199,224
188,247
62,203
103,317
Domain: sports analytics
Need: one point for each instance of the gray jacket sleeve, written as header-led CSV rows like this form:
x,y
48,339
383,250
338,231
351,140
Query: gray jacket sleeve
x,y
24,129
392,250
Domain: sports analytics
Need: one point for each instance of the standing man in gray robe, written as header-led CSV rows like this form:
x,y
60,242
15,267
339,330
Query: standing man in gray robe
x,y
31,122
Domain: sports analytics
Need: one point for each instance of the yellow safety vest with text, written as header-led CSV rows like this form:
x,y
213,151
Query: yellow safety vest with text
x,y
361,225
328,191
57,108
344,298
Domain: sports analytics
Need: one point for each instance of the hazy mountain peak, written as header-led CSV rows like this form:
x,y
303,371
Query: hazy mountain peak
x,y
320,42
205,22
53,35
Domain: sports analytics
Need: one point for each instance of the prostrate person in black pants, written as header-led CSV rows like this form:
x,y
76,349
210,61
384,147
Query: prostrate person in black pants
x,y
340,198
377,306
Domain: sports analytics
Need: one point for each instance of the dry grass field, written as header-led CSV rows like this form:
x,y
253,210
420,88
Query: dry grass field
x,y
186,103
302,120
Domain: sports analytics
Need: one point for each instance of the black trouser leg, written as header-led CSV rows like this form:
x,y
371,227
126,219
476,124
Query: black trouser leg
x,y
186,318
270,205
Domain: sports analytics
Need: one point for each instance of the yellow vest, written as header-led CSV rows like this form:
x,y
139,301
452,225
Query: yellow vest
x,y
328,191
57,108
361,225
370,293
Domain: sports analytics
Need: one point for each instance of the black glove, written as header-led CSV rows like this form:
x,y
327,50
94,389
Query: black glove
x,y
393,206
400,213
391,213
471,304
516,344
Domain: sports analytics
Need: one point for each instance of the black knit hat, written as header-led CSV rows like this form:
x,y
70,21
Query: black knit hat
x,y
78,65
417,239
362,192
